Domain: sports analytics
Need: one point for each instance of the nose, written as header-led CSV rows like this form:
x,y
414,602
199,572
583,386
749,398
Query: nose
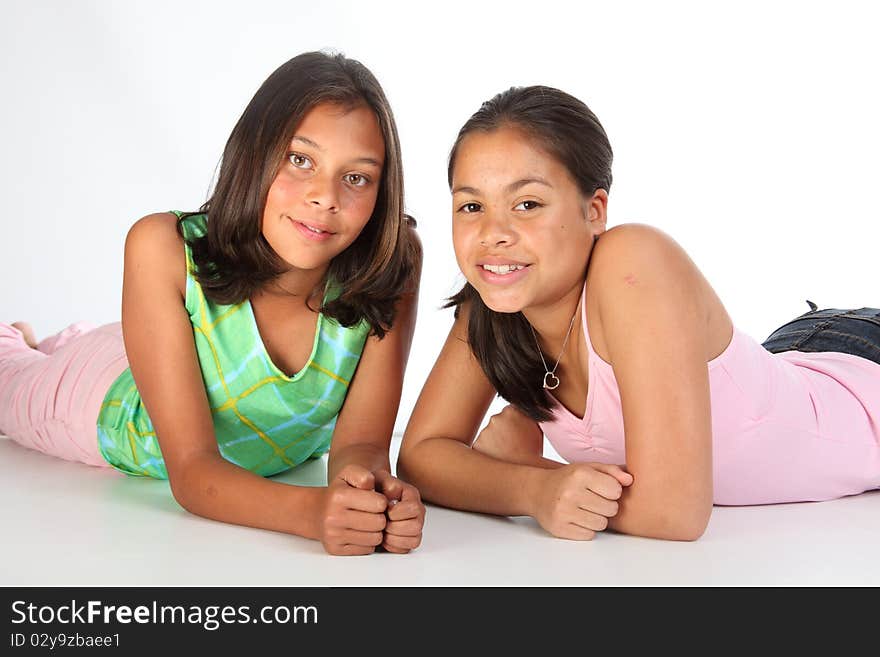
x,y
321,193
496,230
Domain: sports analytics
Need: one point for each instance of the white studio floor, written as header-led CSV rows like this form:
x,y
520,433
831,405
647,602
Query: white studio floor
x,y
66,524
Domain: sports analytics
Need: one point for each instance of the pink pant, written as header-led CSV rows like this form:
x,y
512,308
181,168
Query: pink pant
x,y
50,396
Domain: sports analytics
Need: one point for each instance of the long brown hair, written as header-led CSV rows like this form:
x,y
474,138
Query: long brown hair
x,y
233,259
568,130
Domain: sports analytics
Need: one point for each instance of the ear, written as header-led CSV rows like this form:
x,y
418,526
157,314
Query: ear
x,y
596,211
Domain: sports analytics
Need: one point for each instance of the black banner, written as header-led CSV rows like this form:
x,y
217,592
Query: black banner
x,y
131,620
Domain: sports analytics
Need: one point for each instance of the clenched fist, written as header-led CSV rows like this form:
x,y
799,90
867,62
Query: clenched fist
x,y
575,501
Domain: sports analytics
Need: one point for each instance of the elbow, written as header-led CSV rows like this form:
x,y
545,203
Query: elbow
x,y
186,480
666,520
180,492
690,531
403,467
408,462
665,528
687,525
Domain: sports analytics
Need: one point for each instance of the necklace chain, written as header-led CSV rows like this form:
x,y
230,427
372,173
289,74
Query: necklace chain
x,y
551,381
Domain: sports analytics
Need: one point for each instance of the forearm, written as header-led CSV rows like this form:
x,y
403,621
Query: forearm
x,y
449,473
368,456
214,488
535,461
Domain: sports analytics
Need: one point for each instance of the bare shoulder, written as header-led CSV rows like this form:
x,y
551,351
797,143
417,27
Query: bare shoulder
x,y
154,249
636,267
158,228
626,250
634,259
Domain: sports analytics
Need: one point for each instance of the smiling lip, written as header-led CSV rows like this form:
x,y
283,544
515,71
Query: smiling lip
x,y
311,230
500,260
505,276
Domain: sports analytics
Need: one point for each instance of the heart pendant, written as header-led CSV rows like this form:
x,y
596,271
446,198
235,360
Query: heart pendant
x,y
551,381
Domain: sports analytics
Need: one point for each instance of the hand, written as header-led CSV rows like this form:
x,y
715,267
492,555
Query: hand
x,y
511,436
575,501
353,515
405,513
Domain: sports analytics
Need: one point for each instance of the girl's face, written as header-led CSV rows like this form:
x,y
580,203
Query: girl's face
x,y
522,230
325,191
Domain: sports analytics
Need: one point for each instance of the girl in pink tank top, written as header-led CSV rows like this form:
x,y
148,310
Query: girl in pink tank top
x,y
613,345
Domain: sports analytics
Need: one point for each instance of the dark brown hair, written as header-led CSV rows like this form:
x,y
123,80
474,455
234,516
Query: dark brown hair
x,y
233,259
568,131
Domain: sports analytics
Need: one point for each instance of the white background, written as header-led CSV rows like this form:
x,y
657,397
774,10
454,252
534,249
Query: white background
x,y
747,132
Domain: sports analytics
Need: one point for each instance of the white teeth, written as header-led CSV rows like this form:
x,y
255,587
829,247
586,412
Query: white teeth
x,y
502,269
314,230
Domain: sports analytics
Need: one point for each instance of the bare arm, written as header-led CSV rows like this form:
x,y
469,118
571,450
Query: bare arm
x,y
654,323
366,422
571,501
514,437
161,351
363,432
436,454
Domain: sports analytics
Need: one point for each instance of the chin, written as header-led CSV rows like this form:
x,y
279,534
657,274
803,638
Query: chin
x,y
500,304
304,262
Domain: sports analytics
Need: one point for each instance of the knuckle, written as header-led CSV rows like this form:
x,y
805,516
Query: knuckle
x,y
406,542
574,476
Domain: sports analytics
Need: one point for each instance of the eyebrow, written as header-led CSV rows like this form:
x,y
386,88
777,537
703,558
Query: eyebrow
x,y
309,142
512,187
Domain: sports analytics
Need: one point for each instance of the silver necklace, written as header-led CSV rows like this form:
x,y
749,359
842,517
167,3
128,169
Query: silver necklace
x,y
551,381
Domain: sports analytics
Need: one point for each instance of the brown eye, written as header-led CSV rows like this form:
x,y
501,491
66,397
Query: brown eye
x,y
356,179
468,208
299,161
527,205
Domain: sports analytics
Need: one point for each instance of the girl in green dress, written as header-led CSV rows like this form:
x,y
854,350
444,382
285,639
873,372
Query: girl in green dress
x,y
276,318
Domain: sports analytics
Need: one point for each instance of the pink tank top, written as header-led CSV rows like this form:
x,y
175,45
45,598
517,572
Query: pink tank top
x,y
786,427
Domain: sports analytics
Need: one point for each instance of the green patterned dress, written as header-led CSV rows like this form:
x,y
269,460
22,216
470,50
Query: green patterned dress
x,y
264,420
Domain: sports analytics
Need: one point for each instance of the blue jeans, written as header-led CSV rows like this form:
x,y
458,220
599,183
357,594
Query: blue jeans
x,y
855,332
